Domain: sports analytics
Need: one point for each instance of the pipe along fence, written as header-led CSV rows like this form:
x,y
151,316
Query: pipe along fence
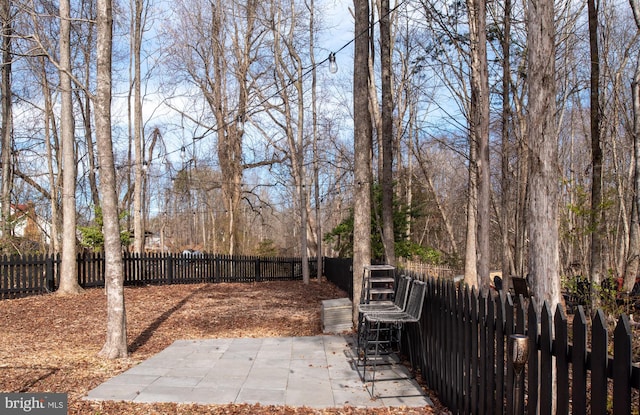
x,y
37,274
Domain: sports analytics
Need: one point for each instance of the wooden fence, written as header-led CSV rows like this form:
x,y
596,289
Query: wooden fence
x,y
37,274
434,271
467,356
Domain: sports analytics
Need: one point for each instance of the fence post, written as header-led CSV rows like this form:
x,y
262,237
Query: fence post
x,y
49,275
257,270
169,268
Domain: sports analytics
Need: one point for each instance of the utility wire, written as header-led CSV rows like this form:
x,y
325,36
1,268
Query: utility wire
x,y
309,70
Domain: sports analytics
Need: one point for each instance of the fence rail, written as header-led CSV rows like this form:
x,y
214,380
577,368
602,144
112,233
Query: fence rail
x,y
36,274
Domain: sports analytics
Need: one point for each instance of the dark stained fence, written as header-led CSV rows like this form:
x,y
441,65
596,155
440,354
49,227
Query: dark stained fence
x,y
26,275
29,275
467,356
340,272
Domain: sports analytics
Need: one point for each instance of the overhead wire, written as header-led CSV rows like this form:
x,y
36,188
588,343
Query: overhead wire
x,y
215,129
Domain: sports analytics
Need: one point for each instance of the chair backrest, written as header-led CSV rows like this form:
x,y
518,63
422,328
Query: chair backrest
x,y
416,299
520,286
402,292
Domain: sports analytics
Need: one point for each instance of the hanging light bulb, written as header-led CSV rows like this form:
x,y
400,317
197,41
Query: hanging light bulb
x,y
183,153
240,124
333,66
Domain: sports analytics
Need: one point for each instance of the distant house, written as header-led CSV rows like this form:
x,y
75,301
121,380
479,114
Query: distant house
x,y
153,243
27,224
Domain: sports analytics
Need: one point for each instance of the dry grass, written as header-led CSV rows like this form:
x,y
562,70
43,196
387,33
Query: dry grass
x,y
50,343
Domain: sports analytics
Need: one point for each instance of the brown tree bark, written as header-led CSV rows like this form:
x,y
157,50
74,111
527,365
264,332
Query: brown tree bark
x,y
138,134
68,266
388,236
597,214
116,342
6,128
506,214
543,154
635,93
479,128
362,153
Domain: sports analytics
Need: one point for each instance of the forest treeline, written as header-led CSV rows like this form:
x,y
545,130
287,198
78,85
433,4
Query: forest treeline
x,y
235,128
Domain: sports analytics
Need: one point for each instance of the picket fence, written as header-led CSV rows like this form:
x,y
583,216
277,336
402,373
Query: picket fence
x,y
467,356
37,274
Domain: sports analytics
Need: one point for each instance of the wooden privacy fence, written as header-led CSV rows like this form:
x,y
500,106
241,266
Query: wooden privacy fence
x,y
36,274
428,270
467,356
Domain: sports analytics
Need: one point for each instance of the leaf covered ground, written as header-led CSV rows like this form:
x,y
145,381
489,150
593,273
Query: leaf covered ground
x,y
50,343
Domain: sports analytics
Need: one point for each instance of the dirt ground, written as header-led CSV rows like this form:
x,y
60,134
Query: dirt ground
x,y
50,343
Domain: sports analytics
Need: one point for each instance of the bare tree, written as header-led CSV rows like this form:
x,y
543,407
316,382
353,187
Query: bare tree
x,y
293,113
136,50
508,267
316,151
116,341
387,134
543,154
362,152
68,266
6,129
218,59
597,214
635,93
479,132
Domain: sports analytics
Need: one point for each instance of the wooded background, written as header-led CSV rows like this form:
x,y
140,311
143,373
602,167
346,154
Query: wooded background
x,y
230,131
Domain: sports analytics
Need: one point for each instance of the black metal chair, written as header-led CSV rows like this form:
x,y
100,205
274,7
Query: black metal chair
x,y
399,300
383,330
399,304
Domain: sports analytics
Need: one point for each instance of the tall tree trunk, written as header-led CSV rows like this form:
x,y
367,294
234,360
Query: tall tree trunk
x,y
635,93
116,342
68,266
597,213
316,154
138,213
543,154
480,126
302,177
632,262
6,129
470,256
362,153
522,189
386,135
84,105
54,179
505,213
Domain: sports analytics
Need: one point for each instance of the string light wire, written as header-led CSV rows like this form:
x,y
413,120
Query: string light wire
x,y
330,58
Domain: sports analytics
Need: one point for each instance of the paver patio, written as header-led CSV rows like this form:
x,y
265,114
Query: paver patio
x,y
316,372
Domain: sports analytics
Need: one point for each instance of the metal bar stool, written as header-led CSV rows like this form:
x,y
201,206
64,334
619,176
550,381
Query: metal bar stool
x,y
383,330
